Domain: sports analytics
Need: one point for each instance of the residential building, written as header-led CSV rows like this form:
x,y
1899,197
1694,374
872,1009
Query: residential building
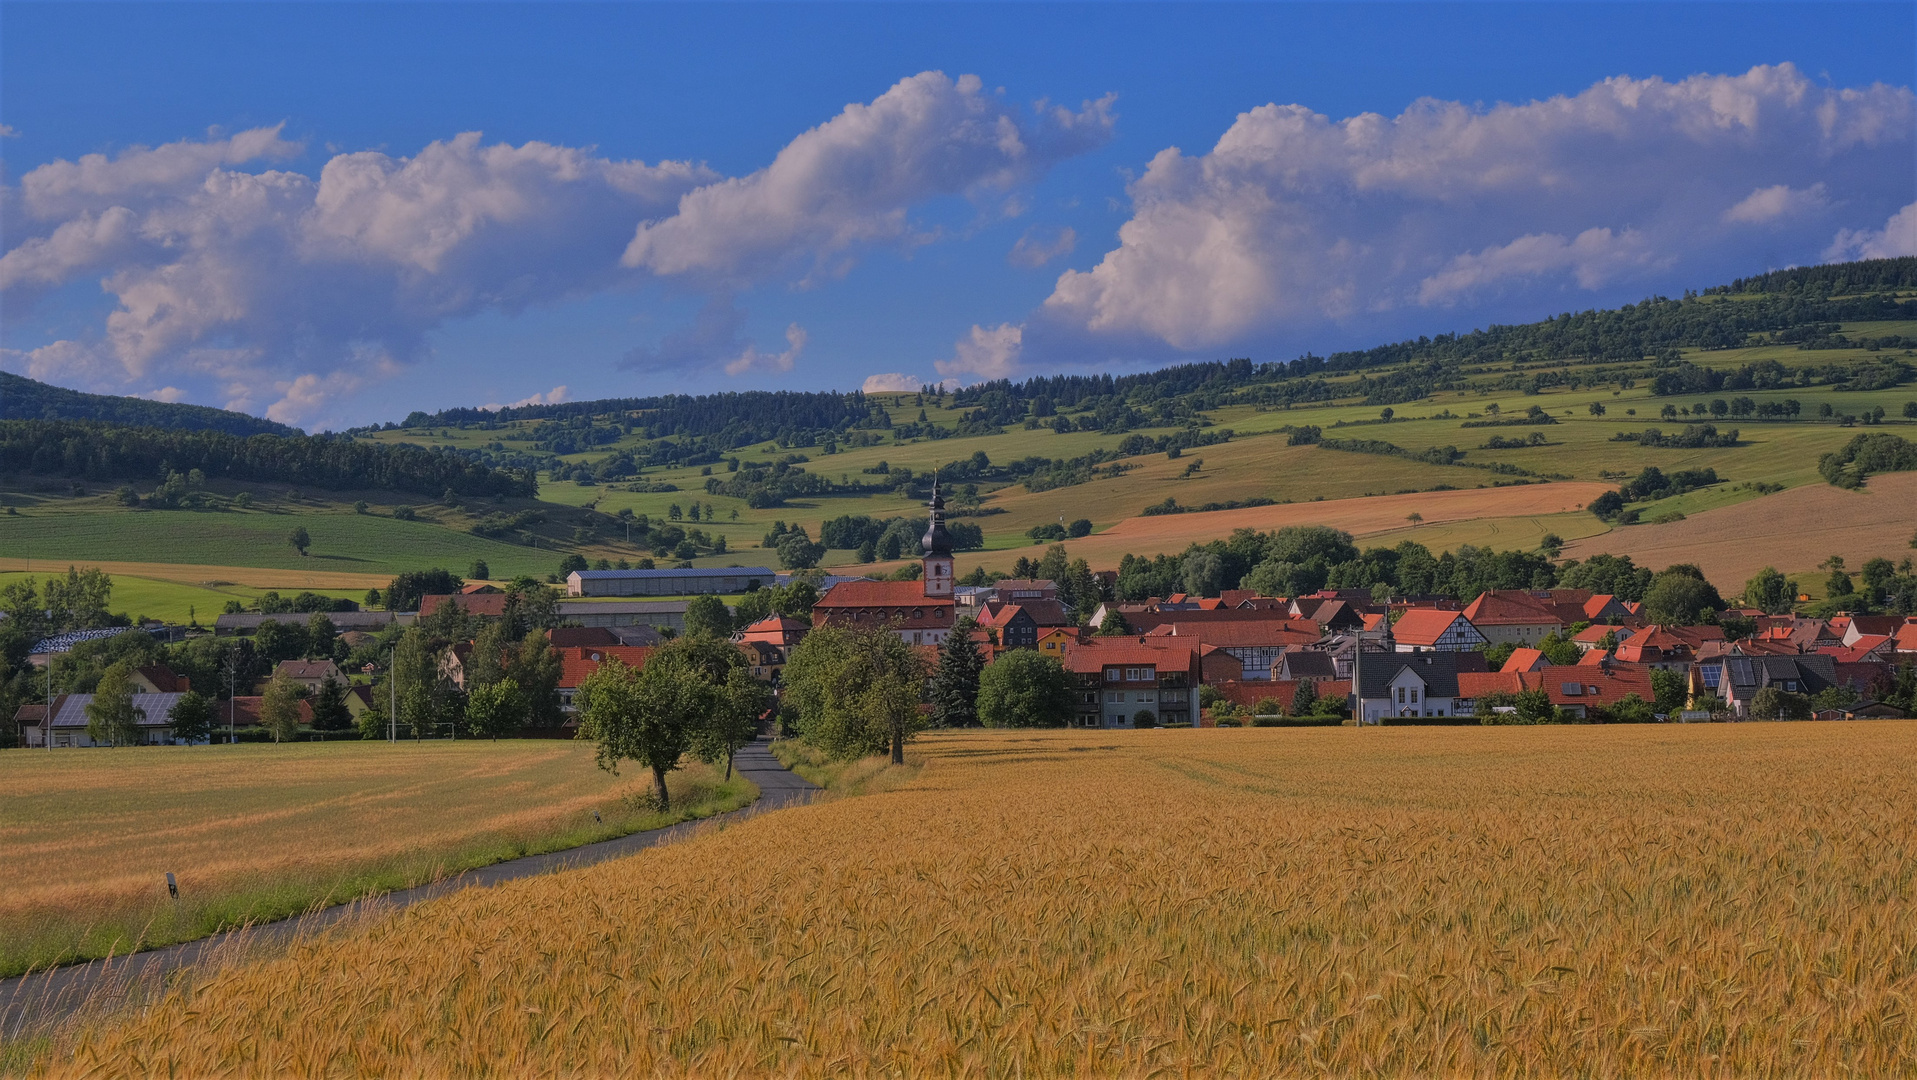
x,y
576,664
160,679
1015,627
1117,678
1525,659
1404,685
1306,665
1579,689
1514,616
573,637
70,720
1257,643
310,674
782,631
1671,648
1024,590
1593,636
921,612
1433,630
1739,678
684,582
1871,626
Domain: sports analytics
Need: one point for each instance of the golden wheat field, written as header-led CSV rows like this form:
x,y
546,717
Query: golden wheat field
x,y
1712,900
258,831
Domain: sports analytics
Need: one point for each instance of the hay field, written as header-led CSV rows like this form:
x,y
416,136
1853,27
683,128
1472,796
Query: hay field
x,y
258,831
1792,530
1709,900
1361,517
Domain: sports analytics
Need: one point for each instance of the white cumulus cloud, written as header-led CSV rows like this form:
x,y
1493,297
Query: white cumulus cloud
x,y
892,382
1777,201
285,290
1294,219
1898,237
986,353
551,397
850,181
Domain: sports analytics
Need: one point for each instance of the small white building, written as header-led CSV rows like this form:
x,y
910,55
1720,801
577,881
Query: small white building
x,y
70,721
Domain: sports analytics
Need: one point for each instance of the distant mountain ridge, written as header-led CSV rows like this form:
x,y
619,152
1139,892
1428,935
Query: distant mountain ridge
x,y
22,398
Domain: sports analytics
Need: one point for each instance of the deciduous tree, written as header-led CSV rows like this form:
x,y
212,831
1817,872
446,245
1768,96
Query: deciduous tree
x,y
1024,688
280,708
112,717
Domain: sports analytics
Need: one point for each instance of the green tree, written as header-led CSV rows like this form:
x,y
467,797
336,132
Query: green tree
x,y
707,616
280,708
798,553
112,717
329,707
1680,596
855,691
1879,574
372,722
1770,703
571,563
1670,690
1114,624
1025,688
300,539
1144,718
495,709
1304,700
536,669
321,635
651,714
955,681
1770,592
1558,649
479,571
1630,709
735,717
191,718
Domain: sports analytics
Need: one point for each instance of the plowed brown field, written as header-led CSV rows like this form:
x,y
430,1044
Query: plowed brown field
x,y
1171,533
1793,530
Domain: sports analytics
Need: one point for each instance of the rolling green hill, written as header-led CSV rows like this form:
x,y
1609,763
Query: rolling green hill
x,y
1783,368
22,398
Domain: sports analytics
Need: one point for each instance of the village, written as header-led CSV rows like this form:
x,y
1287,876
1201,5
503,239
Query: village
x,y
1556,655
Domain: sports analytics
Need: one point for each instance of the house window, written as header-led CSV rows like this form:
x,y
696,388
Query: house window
x,y
1116,697
1414,695
1401,695
1113,674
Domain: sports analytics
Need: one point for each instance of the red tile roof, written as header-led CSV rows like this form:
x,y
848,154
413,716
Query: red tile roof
x,y
1594,686
164,679
1510,607
576,664
853,603
1242,634
1423,626
491,605
1524,659
1094,654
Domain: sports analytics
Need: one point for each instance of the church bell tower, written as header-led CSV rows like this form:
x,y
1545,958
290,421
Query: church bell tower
x,y
937,543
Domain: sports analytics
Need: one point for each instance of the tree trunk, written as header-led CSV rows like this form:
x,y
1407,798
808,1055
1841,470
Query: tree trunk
x,y
659,789
729,752
898,744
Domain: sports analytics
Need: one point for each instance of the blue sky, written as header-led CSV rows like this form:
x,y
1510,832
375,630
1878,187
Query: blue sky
x,y
271,206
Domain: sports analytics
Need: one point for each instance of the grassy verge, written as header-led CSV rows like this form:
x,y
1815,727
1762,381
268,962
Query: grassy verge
x,y
859,776
37,939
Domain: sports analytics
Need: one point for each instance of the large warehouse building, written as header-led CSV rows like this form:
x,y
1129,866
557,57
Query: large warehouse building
x,y
693,582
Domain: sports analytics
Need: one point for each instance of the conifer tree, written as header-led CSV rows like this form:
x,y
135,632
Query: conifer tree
x,y
955,682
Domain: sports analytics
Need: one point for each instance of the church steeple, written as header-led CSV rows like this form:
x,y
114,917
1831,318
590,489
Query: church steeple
x,y
937,543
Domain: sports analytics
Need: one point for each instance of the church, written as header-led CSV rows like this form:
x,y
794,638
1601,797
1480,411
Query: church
x,y
921,612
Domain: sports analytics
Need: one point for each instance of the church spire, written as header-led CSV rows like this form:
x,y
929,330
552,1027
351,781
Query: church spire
x,y
937,543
